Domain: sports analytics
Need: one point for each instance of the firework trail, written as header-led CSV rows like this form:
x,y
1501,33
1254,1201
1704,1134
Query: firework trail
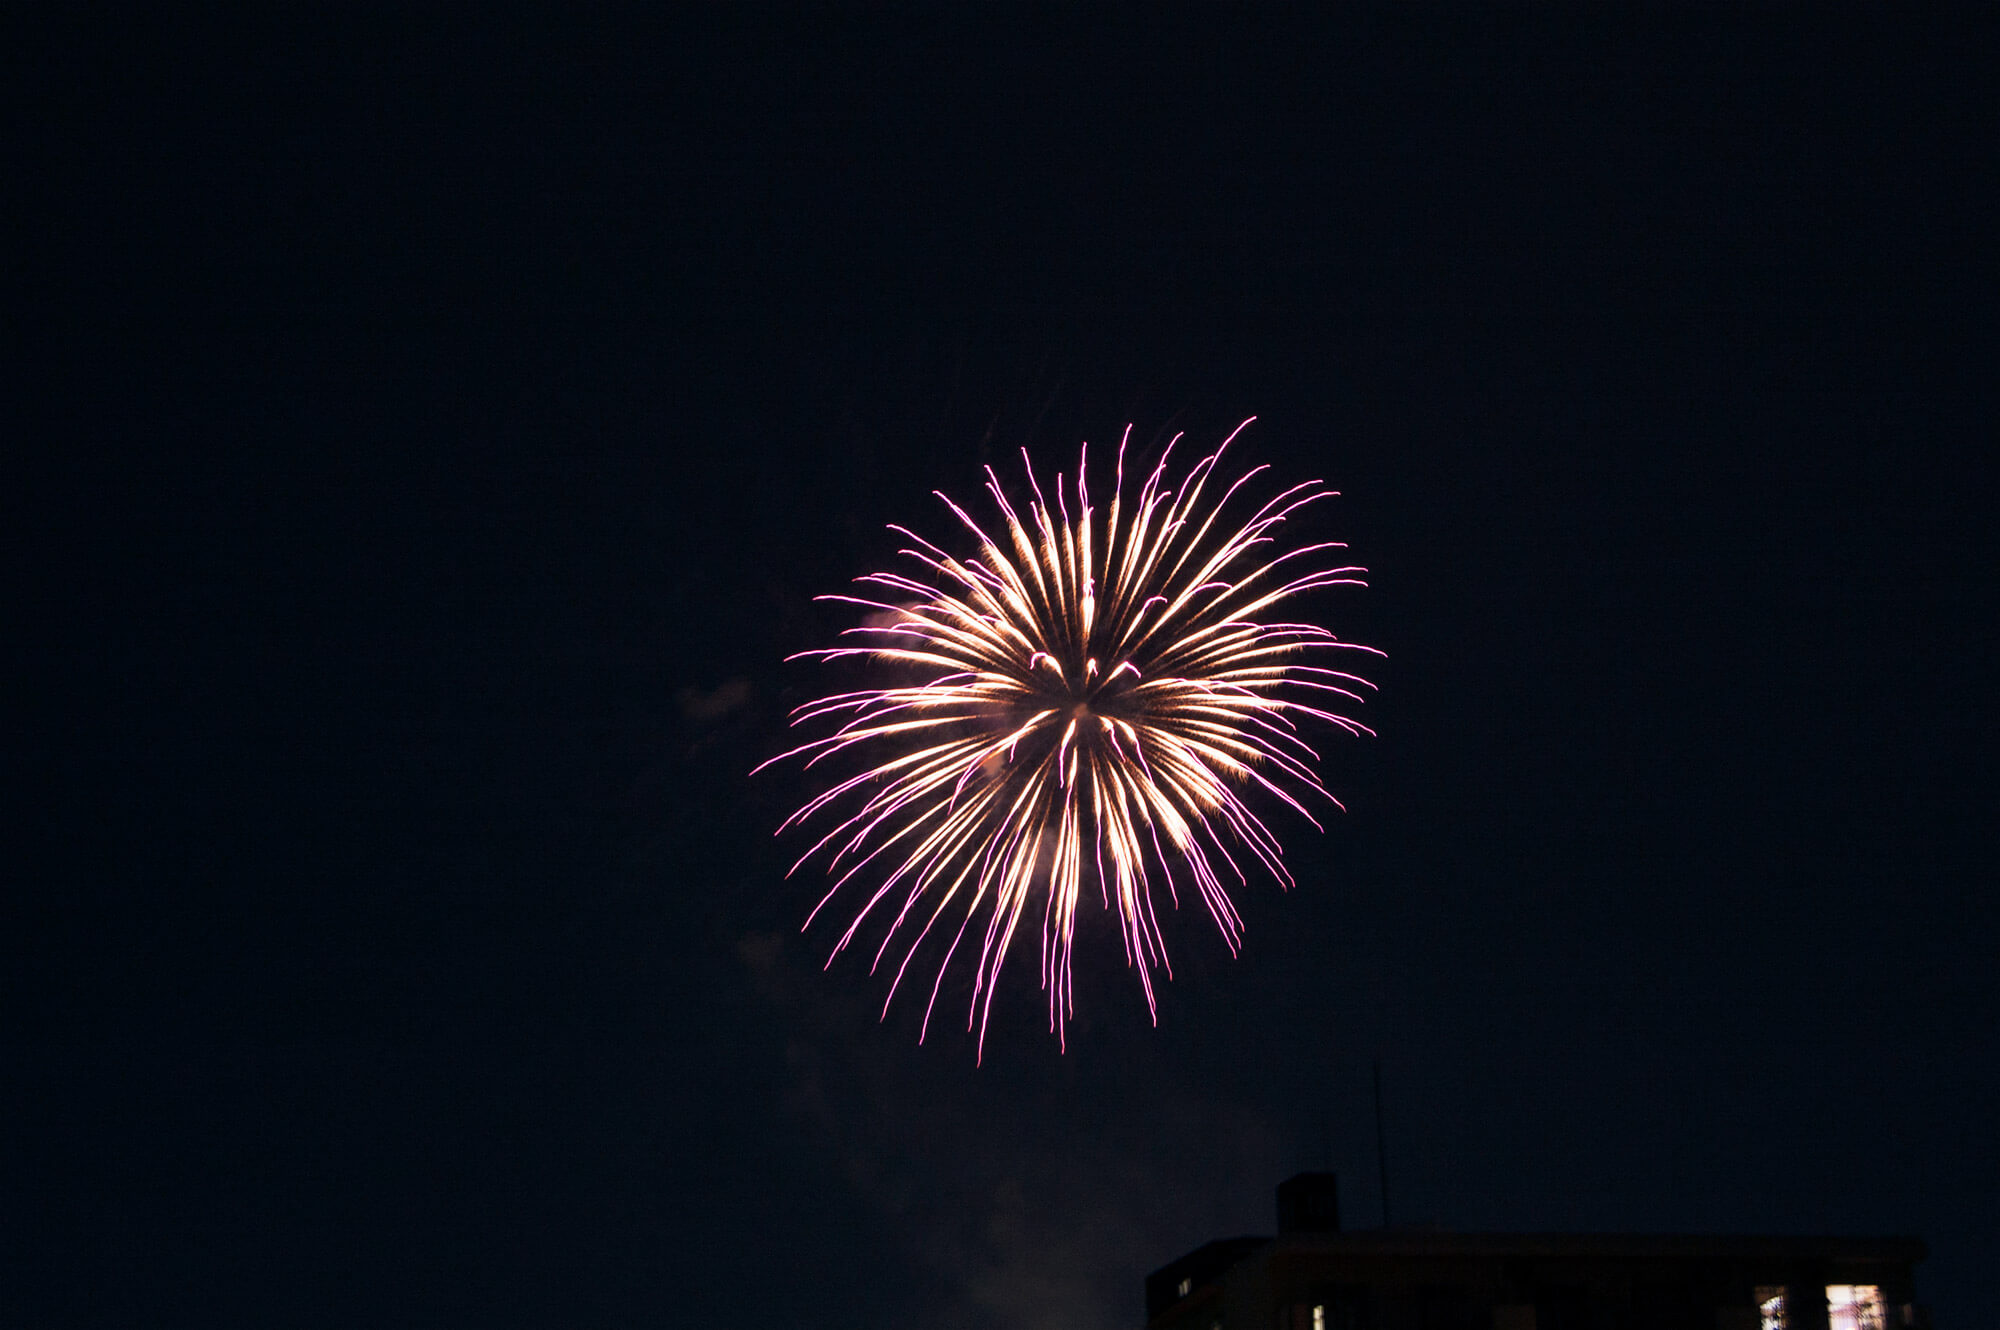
x,y
1082,701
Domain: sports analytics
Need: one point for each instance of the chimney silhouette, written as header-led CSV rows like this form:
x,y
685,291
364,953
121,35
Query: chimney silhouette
x,y
1309,1203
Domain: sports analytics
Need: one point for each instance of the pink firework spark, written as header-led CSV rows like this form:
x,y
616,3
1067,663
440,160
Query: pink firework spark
x,y
1083,700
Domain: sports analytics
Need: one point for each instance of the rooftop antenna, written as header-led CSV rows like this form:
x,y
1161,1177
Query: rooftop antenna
x,y
1381,1155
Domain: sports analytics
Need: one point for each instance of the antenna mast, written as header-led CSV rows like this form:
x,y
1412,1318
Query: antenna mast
x,y
1381,1155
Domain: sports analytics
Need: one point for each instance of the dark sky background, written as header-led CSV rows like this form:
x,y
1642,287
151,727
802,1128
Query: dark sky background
x,y
430,433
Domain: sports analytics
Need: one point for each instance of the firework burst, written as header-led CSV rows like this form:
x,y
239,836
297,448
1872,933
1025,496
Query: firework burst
x,y
1084,701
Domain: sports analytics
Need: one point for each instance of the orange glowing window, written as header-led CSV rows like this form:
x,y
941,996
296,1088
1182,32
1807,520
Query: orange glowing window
x,y
1855,1307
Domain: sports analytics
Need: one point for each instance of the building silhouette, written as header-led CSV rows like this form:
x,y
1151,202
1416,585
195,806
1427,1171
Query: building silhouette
x,y
1316,1276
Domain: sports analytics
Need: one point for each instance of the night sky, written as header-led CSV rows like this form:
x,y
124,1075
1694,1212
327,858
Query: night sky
x,y
428,434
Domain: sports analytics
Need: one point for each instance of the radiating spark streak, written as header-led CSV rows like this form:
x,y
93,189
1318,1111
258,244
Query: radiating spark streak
x,y
985,789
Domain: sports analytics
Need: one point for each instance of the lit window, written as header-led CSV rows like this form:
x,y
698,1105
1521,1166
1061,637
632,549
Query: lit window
x,y
1319,1318
1854,1307
1771,1306
1182,1289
